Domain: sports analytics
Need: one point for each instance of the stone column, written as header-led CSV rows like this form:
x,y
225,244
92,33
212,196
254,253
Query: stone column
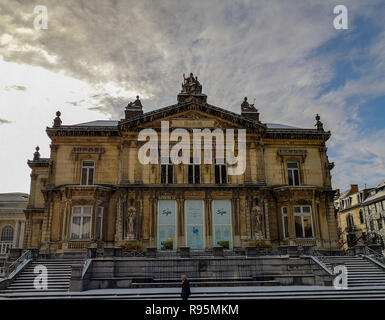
x,y
124,162
21,236
265,205
290,218
118,223
132,161
16,234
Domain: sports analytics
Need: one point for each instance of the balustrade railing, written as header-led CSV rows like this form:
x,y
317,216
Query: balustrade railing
x,y
374,255
322,260
4,246
19,261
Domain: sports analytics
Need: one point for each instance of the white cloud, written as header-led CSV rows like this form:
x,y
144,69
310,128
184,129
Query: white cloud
x,y
101,54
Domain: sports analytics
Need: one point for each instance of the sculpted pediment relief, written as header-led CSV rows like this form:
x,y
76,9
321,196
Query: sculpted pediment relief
x,y
193,120
192,115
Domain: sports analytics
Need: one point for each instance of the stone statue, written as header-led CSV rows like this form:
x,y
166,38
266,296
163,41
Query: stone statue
x,y
130,219
257,222
245,106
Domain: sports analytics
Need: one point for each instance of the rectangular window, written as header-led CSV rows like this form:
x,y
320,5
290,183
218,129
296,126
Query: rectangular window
x,y
88,170
194,173
378,207
99,224
220,173
285,223
362,221
81,223
293,174
303,222
372,208
166,174
371,225
379,224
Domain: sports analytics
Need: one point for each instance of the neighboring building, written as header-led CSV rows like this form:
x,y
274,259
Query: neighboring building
x,y
374,208
12,223
12,220
351,216
93,191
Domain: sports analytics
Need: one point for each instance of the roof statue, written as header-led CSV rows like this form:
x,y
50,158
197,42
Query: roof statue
x,y
319,125
137,104
245,106
134,109
191,90
248,110
191,85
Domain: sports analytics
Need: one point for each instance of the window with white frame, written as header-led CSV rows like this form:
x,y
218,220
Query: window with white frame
x,y
293,174
193,172
88,172
220,171
99,224
378,206
81,223
7,234
166,174
285,223
303,222
350,221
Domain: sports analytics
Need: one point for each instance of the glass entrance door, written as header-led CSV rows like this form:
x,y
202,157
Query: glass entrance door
x,y
195,227
222,233
167,225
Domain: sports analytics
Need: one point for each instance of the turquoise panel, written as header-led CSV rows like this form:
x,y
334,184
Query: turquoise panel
x,y
195,236
166,212
166,234
194,212
166,224
222,211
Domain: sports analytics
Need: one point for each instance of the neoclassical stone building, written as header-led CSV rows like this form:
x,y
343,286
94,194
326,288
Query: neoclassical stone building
x,y
94,191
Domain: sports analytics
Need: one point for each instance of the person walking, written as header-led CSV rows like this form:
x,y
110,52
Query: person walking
x,y
185,288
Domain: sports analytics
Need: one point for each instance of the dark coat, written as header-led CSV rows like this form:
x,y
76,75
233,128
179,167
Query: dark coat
x,y
185,288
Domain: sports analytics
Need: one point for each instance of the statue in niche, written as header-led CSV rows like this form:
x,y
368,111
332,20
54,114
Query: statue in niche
x,y
129,221
257,222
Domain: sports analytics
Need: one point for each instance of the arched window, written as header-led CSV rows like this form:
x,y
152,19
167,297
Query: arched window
x,y
7,234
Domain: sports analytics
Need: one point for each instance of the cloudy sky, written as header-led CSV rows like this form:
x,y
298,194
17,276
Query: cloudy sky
x,y
95,56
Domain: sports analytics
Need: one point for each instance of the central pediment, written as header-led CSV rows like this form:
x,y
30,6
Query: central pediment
x,y
191,115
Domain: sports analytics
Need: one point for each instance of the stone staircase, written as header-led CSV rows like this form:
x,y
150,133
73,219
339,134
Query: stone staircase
x,y
59,276
209,293
361,271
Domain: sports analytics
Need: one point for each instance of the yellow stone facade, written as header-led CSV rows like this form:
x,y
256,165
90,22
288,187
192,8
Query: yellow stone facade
x,y
260,201
351,216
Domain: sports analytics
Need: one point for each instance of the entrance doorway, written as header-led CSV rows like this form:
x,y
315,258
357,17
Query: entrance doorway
x,y
195,226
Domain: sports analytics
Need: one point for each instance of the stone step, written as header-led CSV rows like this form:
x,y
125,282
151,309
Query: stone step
x,y
52,280
357,293
365,276
205,284
30,276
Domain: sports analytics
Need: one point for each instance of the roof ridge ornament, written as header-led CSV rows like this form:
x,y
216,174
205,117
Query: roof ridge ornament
x,y
57,121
